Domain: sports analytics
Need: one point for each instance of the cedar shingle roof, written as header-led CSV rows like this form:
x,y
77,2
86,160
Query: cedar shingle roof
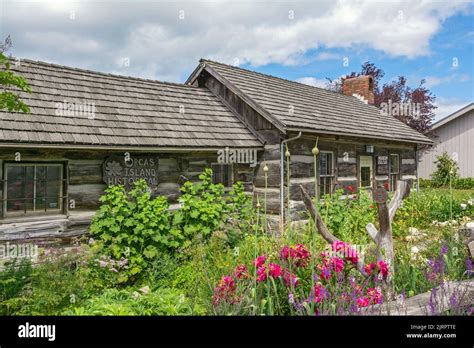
x,y
128,112
314,109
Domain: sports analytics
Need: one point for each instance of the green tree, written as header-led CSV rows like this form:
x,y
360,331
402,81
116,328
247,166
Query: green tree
x,y
446,169
11,84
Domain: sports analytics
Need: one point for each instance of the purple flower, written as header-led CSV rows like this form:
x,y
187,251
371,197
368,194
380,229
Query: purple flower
x,y
444,249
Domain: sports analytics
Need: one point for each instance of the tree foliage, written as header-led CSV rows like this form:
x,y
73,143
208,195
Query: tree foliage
x,y
446,170
11,84
396,91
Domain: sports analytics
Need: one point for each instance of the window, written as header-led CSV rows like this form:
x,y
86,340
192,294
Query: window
x,y
365,171
394,171
32,188
326,172
222,174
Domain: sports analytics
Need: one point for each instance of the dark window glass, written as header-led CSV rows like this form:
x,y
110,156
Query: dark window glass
x,y
222,174
33,188
365,176
394,164
326,173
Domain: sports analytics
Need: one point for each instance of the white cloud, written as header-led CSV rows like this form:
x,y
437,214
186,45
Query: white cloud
x,y
313,81
328,56
447,106
432,81
163,46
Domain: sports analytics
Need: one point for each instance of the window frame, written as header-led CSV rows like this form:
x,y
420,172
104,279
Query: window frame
x,y
34,212
390,163
393,177
230,174
331,176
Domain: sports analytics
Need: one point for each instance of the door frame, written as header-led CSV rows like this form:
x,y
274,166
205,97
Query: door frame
x,y
371,170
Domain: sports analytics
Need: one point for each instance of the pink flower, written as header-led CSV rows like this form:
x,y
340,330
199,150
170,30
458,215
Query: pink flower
x,y
337,264
375,295
370,267
225,291
241,272
383,268
287,276
259,261
362,302
319,293
261,273
274,270
299,254
346,251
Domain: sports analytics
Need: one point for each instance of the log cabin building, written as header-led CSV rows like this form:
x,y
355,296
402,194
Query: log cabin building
x,y
87,130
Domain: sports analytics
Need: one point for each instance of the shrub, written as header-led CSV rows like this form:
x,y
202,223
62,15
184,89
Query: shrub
x,y
458,184
202,207
49,287
116,302
446,169
132,229
13,279
347,217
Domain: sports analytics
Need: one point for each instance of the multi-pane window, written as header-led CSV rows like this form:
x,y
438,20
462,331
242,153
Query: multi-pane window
x,y
32,188
394,171
326,172
222,174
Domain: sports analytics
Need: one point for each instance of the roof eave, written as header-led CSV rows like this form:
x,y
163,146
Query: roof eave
x,y
411,141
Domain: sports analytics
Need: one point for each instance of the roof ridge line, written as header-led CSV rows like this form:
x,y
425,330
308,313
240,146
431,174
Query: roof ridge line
x,y
117,76
277,77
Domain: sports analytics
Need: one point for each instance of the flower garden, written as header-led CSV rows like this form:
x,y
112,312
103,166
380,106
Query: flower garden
x,y
220,255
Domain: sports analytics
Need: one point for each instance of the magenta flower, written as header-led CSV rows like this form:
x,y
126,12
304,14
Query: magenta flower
x,y
383,268
241,272
344,250
375,296
370,267
225,291
259,261
299,255
274,270
261,273
290,279
363,302
337,264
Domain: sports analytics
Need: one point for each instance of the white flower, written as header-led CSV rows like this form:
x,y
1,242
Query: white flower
x,y
463,206
470,202
415,250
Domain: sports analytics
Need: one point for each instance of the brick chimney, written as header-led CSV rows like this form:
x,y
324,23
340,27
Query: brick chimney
x,y
361,87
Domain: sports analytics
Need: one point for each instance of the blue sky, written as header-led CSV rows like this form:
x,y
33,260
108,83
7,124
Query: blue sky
x,y
305,41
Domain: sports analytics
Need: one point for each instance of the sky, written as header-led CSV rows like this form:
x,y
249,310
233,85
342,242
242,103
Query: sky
x,y
305,41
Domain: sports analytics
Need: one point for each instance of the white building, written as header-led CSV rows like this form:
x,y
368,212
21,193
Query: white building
x,y
455,135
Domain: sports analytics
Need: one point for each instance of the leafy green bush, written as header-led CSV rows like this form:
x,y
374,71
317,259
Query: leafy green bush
x,y
203,207
13,279
458,184
347,217
133,229
446,170
125,302
49,287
